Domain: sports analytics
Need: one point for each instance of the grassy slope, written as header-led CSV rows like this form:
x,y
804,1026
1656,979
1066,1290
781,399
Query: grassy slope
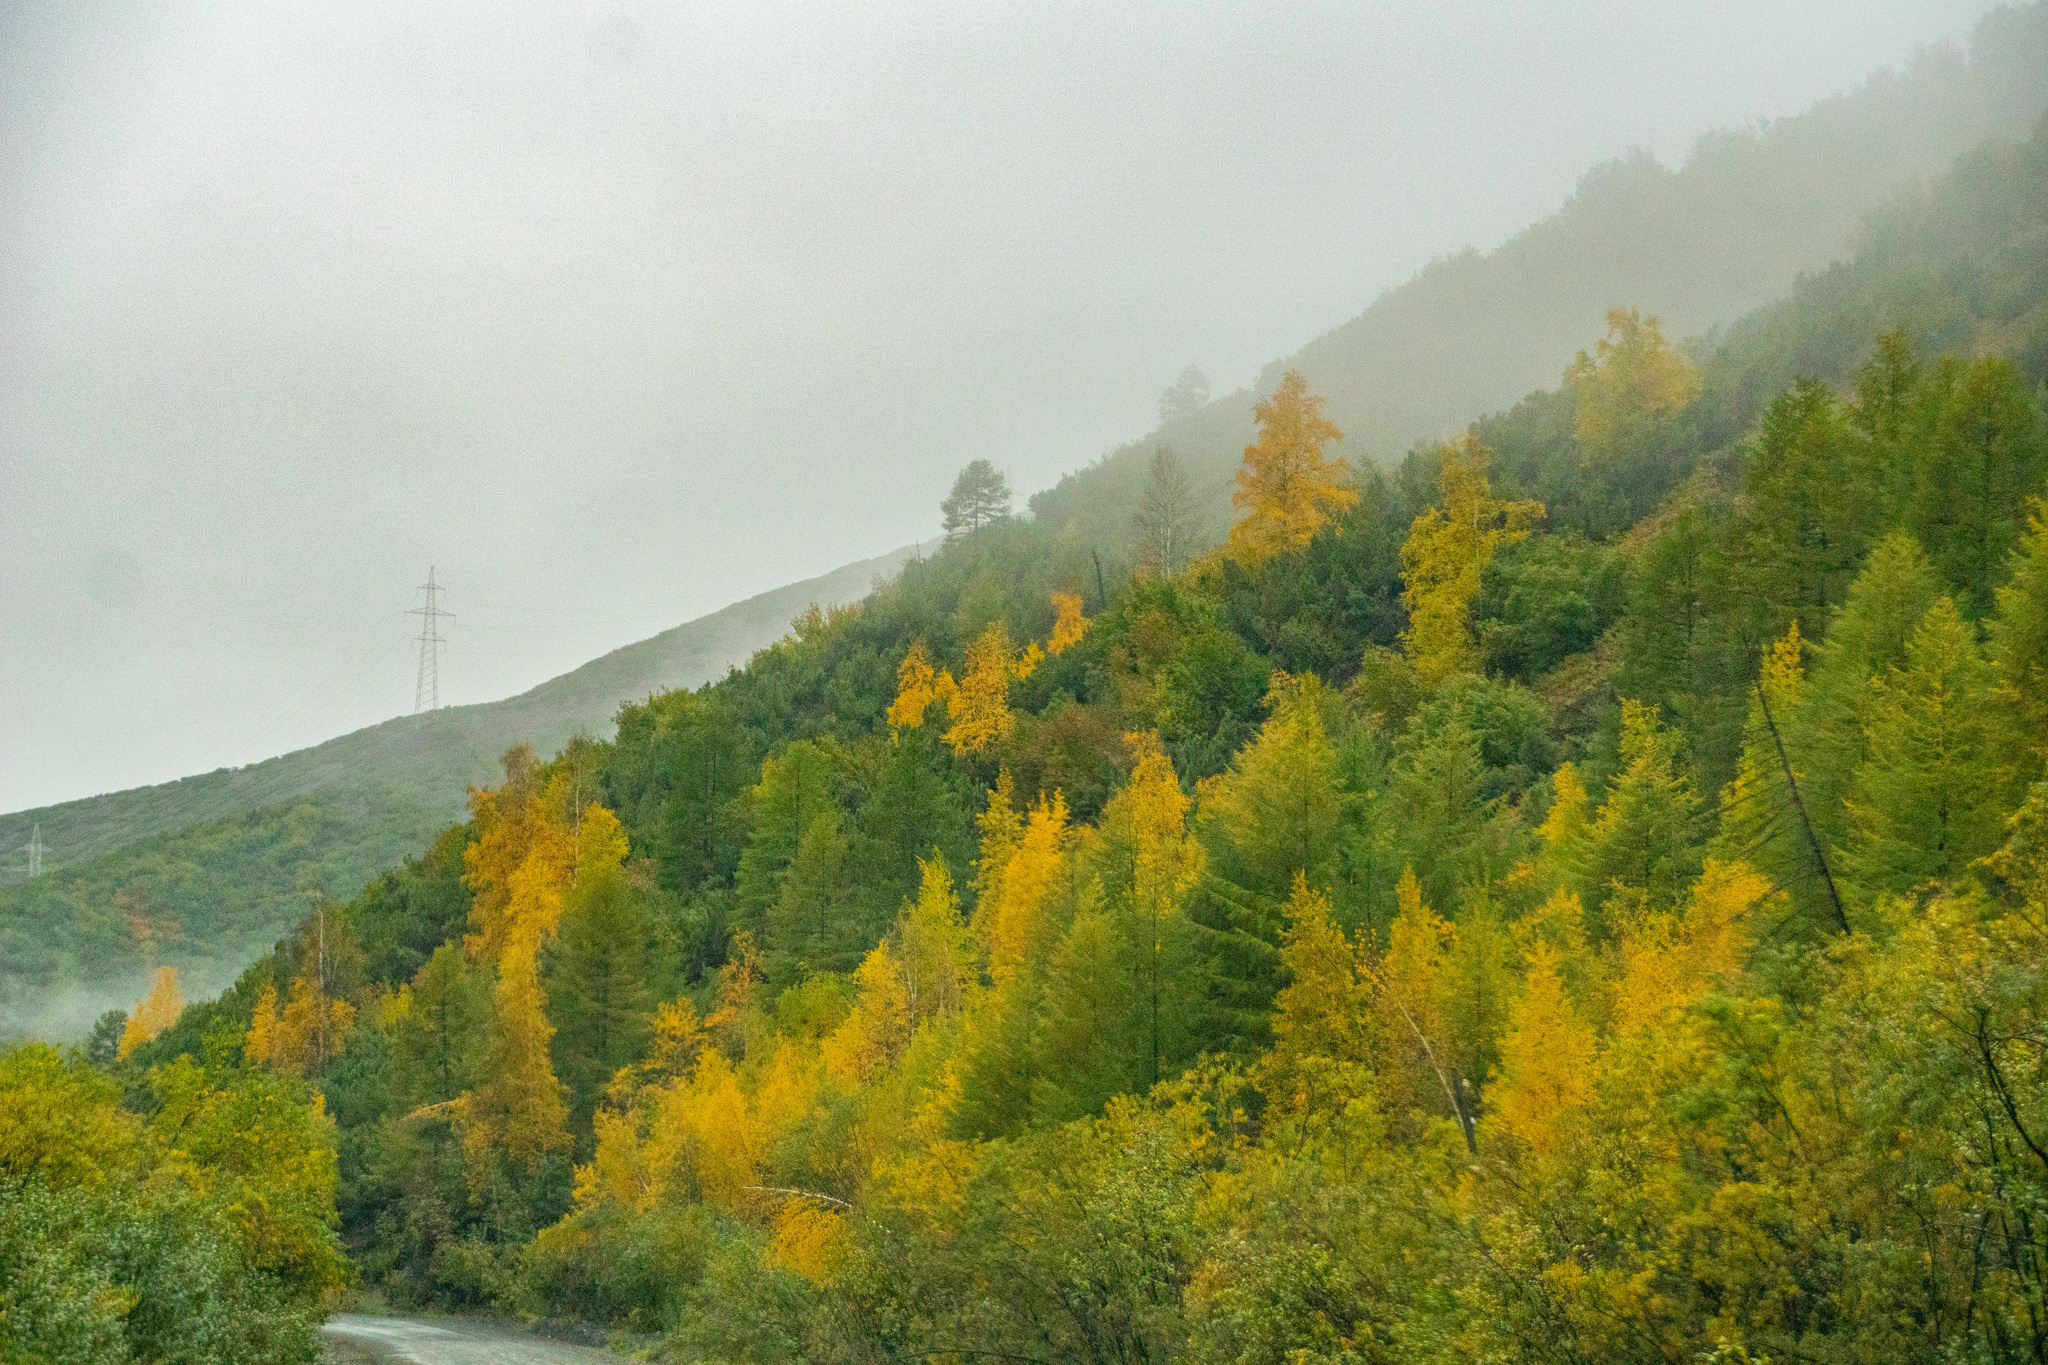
x,y
432,759
1700,247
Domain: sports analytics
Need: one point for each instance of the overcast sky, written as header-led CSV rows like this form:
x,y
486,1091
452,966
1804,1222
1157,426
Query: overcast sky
x,y
616,314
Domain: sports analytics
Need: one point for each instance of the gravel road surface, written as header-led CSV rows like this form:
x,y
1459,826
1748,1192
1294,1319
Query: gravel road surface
x,y
353,1337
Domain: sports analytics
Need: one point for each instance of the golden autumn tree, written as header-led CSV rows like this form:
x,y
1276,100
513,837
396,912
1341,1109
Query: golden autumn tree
x,y
155,1012
1669,960
299,1037
931,946
1633,380
1012,927
529,846
980,706
875,1034
1319,1061
1147,821
1285,488
1069,625
1411,987
1547,1057
918,684
1448,548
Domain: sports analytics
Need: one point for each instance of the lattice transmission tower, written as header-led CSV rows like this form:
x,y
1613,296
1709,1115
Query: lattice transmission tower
x,y
35,852
427,696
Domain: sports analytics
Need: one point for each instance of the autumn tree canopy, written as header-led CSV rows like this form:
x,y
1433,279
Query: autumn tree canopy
x,y
1286,490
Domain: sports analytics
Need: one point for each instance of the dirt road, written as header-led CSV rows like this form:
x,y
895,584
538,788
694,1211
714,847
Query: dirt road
x,y
353,1337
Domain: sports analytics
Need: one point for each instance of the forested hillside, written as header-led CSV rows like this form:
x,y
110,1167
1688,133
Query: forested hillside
x,y
1577,897
1699,246
205,873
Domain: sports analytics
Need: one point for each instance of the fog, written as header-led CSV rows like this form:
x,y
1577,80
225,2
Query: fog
x,y
615,315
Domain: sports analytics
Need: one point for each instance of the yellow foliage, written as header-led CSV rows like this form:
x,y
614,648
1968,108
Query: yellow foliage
x,y
155,1012
1001,827
615,1170
1411,972
1781,665
1165,862
1547,1057
300,1037
980,706
1017,923
931,941
1564,830
600,843
1069,625
1671,960
1448,548
738,981
918,685
1319,1018
808,1240
1285,487
876,1033
1633,380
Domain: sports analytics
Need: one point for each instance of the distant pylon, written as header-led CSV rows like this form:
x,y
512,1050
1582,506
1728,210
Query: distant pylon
x,y
427,695
35,852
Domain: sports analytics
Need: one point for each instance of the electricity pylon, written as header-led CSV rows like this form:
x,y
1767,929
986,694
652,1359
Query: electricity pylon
x,y
427,695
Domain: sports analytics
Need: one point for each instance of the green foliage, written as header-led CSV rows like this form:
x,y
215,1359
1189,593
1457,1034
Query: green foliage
x,y
201,1235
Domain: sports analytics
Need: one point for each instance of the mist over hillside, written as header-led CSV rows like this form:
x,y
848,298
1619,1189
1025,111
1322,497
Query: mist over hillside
x,y
1698,246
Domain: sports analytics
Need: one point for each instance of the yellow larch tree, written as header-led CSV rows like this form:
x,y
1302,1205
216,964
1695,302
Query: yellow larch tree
x,y
1069,625
918,684
530,845
1670,960
1285,488
1148,816
1001,827
1632,381
1319,1062
155,1012
299,1037
980,705
1410,988
1448,548
931,946
1012,926
875,1034
1547,1057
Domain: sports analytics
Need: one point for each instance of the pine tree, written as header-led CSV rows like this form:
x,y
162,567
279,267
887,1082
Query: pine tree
x,y
2019,642
1811,509
1185,397
1274,815
1285,488
1645,842
597,986
980,497
1986,454
1929,799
